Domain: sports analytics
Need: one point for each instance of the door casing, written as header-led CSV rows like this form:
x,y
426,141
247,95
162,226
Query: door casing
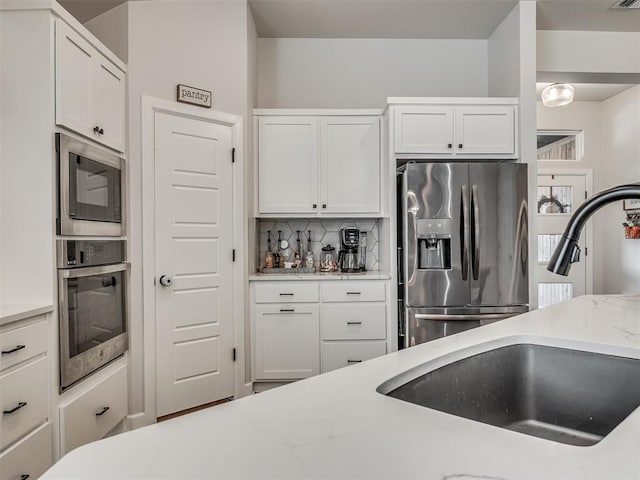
x,y
151,106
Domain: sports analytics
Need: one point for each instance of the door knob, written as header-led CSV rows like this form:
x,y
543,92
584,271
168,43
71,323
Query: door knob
x,y
166,280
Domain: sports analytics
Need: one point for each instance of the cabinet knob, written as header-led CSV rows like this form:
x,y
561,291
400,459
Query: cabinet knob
x,y
166,280
324,205
449,145
315,205
25,476
459,145
98,130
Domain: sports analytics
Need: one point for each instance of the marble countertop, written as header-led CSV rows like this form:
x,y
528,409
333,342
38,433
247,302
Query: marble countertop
x,y
370,275
337,425
13,312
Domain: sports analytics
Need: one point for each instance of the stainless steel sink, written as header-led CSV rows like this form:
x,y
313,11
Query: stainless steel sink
x,y
567,396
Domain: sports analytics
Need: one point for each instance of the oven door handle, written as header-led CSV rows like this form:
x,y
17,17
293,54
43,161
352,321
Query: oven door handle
x,y
89,271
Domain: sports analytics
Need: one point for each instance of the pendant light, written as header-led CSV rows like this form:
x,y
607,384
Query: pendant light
x,y
557,94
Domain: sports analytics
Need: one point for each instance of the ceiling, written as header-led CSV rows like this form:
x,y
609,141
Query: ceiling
x,y
406,18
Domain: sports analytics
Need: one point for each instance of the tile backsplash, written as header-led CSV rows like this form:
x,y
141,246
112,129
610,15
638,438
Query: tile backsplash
x,y
323,232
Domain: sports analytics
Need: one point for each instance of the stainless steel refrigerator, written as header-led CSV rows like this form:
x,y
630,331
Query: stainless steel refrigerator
x,y
463,247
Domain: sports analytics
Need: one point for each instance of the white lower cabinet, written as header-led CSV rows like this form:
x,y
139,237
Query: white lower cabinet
x,y
30,457
95,410
286,345
325,325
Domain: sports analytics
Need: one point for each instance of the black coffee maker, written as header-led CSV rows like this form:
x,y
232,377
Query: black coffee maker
x,y
351,258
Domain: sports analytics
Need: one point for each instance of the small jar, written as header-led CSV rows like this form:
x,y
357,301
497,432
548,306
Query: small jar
x,y
328,261
268,260
308,260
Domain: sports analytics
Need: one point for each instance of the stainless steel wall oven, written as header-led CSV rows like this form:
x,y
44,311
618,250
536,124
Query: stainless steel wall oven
x,y
92,281
89,189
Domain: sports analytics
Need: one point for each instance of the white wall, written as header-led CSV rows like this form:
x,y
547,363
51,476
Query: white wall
x,y
621,164
193,42
512,72
362,73
597,52
112,29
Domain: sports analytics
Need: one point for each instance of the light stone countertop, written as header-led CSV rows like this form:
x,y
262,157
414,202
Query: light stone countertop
x,y
337,425
369,275
13,312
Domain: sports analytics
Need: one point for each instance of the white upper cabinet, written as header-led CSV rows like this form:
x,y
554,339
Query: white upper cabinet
x,y
350,164
485,130
424,129
465,131
288,164
318,165
89,90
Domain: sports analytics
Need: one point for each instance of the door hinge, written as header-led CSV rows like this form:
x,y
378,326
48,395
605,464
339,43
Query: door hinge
x,y
233,155
233,354
585,194
233,255
586,251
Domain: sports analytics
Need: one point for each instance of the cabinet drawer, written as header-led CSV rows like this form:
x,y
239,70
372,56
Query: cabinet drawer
x,y
23,343
341,354
26,392
31,456
350,291
86,418
364,321
286,292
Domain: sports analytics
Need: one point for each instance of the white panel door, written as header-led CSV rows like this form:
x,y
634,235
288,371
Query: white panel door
x,y
194,315
558,197
74,92
424,129
350,164
485,130
108,103
288,164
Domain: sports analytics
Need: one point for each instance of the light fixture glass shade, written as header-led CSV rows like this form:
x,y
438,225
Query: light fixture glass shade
x,y
557,95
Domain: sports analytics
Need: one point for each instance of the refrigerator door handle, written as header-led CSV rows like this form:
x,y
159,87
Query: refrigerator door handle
x,y
464,222
450,318
476,232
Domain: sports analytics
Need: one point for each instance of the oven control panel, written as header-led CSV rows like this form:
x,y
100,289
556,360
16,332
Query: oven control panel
x,y
87,253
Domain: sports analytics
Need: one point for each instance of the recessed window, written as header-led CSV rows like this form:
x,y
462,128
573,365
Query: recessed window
x,y
558,145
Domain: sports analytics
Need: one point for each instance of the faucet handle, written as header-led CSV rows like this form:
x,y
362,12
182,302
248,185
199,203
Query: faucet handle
x,y
575,254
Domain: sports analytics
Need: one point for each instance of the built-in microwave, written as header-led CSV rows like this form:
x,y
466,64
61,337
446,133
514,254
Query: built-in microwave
x,y
89,189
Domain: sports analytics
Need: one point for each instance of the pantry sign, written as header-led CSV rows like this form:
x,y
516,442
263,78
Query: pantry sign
x,y
194,96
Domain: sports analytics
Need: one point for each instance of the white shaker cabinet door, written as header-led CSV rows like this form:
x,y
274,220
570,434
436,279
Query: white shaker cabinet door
x,y
74,67
424,129
288,165
287,341
108,103
350,164
485,130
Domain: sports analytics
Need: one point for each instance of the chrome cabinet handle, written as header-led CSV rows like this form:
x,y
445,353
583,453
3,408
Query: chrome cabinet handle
x,y
476,232
354,323
166,280
14,349
15,409
102,411
464,245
